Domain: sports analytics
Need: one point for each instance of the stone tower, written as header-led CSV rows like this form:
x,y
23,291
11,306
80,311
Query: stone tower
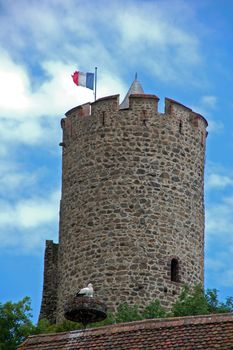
x,y
132,205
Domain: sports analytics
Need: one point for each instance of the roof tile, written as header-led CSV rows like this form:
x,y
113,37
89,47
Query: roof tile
x,y
187,333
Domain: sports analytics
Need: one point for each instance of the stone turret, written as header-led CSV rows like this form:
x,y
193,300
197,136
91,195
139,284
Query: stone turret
x,y
132,206
134,89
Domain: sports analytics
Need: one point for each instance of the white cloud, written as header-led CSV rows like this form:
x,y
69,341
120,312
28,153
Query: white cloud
x,y
150,29
219,267
56,94
50,98
10,182
214,126
14,86
219,224
219,218
30,213
209,101
28,222
27,132
151,35
24,121
36,212
219,239
153,38
218,181
27,241
110,85
16,180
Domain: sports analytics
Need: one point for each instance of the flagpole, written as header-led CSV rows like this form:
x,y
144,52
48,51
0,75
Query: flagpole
x,y
95,81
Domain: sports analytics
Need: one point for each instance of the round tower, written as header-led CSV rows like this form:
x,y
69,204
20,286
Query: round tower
x,y
132,206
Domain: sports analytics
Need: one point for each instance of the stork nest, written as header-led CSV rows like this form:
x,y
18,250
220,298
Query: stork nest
x,y
85,310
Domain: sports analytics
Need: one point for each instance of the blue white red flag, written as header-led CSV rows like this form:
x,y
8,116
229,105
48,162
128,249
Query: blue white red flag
x,y
84,79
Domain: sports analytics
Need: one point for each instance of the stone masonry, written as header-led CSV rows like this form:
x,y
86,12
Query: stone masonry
x,y
132,202
49,298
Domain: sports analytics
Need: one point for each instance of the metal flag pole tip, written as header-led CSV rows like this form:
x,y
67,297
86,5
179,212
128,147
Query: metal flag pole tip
x,y
95,81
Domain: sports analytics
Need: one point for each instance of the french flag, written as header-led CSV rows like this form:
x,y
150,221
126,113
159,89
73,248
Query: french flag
x,y
84,79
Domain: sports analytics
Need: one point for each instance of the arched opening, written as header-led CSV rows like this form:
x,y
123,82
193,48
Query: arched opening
x,y
174,270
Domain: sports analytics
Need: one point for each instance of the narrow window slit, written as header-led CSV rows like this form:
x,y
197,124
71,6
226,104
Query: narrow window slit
x,y
174,270
202,138
180,127
144,117
103,120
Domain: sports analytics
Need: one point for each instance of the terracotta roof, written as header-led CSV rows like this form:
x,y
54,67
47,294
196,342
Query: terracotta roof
x,y
185,333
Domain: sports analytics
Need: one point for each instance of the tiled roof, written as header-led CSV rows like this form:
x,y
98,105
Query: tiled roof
x,y
135,88
185,333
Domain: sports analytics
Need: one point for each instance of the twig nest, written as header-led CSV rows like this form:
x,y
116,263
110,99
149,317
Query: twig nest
x,y
85,310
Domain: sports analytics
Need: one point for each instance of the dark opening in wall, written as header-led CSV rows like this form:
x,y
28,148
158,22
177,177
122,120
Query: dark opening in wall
x,y
103,119
180,127
202,138
174,270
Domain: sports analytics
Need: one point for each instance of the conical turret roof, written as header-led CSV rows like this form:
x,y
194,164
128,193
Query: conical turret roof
x,y
135,88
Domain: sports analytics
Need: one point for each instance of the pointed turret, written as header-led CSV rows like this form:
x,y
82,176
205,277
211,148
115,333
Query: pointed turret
x,y
135,88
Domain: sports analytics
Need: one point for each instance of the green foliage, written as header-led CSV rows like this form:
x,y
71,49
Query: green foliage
x,y
67,326
214,305
110,319
154,310
196,302
15,323
229,304
191,302
44,326
127,313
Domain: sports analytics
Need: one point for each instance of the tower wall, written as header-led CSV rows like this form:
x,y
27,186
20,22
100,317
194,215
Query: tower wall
x,y
132,200
49,298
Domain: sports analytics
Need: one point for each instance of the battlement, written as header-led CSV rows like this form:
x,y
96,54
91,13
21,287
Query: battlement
x,y
105,104
174,107
137,103
111,104
80,111
142,111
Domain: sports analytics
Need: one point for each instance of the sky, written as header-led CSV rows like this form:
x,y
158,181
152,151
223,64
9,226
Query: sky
x,y
180,49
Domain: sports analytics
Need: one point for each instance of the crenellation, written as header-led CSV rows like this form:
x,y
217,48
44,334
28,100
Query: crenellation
x,y
109,104
143,102
79,111
182,121
185,116
173,107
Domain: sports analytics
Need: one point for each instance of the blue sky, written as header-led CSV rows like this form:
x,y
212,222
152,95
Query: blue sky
x,y
180,49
